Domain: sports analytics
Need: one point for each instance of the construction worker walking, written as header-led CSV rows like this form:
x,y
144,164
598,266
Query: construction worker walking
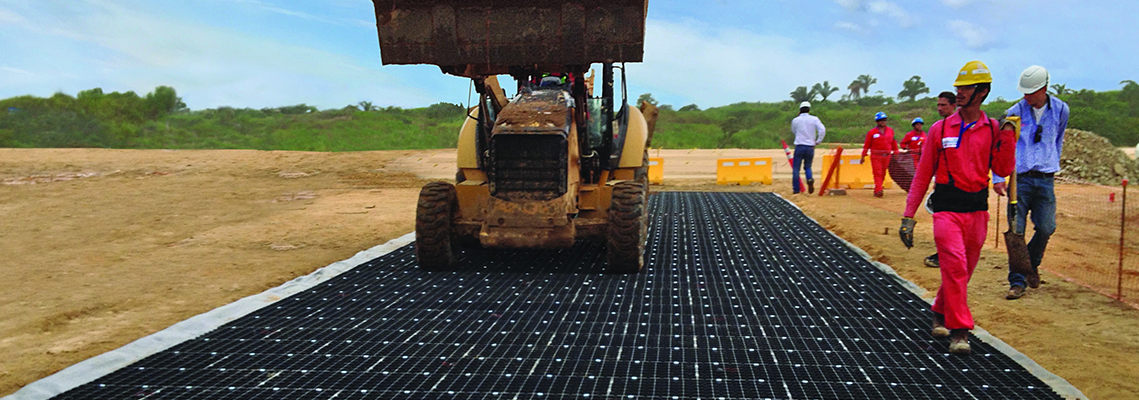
x,y
911,143
881,145
809,132
946,106
959,154
1043,119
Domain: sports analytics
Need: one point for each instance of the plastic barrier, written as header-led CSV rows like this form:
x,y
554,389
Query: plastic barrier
x,y
854,174
656,170
743,171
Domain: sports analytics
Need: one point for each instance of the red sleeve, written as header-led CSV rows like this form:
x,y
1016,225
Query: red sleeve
x,y
867,143
906,140
1004,153
927,166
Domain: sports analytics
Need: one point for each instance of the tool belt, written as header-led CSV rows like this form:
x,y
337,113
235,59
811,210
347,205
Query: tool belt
x,y
1036,174
950,198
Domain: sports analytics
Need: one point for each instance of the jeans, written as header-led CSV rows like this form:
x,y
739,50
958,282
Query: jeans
x,y
803,154
1036,198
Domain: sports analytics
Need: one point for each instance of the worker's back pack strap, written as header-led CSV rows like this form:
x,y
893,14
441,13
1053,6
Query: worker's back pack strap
x,y
949,197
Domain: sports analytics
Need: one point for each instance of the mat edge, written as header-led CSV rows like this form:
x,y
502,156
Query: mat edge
x,y
98,366
1060,385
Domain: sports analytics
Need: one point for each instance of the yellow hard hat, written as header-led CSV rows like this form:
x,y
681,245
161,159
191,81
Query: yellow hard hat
x,y
972,73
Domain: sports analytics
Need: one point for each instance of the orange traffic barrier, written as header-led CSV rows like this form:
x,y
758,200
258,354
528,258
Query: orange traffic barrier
x,y
743,171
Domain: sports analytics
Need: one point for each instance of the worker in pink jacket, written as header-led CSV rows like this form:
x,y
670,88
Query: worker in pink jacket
x,y
959,153
881,145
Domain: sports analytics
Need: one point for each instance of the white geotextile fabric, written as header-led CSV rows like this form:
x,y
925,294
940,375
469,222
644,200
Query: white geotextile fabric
x,y
103,364
1060,385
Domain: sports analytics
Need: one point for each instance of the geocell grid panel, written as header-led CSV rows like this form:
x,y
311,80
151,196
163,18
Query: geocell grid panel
x,y
744,297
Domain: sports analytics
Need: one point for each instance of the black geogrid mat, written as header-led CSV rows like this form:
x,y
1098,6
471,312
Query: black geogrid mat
x,y
744,297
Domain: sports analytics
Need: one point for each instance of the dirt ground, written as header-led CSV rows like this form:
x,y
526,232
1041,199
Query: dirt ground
x,y
102,247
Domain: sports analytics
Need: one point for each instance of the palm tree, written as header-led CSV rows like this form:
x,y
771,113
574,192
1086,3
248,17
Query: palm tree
x,y
366,106
865,82
801,94
825,89
912,88
855,90
1060,89
1129,84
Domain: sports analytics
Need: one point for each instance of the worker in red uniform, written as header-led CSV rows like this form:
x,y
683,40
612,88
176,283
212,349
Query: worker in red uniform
x,y
912,141
958,155
881,145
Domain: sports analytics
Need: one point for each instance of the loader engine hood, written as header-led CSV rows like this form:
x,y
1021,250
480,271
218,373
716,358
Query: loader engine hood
x,y
529,147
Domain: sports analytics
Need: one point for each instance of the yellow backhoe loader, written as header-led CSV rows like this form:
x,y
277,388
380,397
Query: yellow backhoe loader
x,y
552,164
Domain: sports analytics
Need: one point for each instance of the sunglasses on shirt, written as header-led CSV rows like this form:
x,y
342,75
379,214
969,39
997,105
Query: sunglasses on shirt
x,y
1039,131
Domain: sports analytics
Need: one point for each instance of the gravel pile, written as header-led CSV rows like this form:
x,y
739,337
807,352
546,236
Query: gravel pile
x,y
1092,158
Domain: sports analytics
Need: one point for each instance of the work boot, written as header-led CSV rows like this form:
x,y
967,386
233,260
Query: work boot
x,y
1033,279
811,186
932,261
959,342
1015,292
939,330
878,194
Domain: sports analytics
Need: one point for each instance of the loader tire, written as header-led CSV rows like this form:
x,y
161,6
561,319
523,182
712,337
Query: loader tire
x,y
641,174
628,229
434,234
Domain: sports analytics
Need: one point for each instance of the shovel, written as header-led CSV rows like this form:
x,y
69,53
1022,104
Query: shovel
x,y
1018,261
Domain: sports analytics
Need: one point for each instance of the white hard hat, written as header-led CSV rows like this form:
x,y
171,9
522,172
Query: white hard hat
x,y
805,104
1032,79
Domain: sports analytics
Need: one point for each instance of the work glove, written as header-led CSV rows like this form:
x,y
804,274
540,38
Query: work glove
x,y
907,232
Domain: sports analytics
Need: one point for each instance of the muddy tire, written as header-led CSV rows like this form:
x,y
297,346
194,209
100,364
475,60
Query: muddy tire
x,y
628,229
434,235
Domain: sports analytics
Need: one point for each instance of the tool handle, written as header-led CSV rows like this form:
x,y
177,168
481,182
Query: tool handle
x,y
1012,188
1015,122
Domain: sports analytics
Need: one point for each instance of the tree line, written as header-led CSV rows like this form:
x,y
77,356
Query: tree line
x,y
1112,114
161,120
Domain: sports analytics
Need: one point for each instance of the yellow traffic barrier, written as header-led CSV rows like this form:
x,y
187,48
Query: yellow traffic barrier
x,y
743,171
656,170
854,174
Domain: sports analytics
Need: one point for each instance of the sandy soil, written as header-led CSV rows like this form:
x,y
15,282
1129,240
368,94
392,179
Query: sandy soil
x,y
102,247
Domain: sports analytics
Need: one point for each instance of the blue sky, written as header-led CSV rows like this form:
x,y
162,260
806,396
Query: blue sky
x,y
262,53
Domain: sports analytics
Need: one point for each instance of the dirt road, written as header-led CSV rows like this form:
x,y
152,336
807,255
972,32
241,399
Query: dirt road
x,y
101,247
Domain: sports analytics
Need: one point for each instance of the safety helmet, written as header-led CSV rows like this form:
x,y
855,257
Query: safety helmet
x,y
917,120
805,104
972,73
1032,79
881,115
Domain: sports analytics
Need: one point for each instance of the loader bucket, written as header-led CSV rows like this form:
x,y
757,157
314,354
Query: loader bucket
x,y
490,37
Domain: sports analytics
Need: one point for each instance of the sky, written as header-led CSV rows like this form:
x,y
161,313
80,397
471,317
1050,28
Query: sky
x,y
269,53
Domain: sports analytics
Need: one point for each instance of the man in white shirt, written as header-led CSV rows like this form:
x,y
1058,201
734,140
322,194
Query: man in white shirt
x,y
809,132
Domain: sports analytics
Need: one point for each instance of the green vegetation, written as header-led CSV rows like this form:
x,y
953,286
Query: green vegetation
x,y
1111,114
160,120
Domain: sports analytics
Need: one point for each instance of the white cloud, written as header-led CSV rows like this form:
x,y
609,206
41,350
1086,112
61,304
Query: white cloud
x,y
974,37
303,15
894,11
14,70
957,3
688,62
850,26
124,48
8,16
849,4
